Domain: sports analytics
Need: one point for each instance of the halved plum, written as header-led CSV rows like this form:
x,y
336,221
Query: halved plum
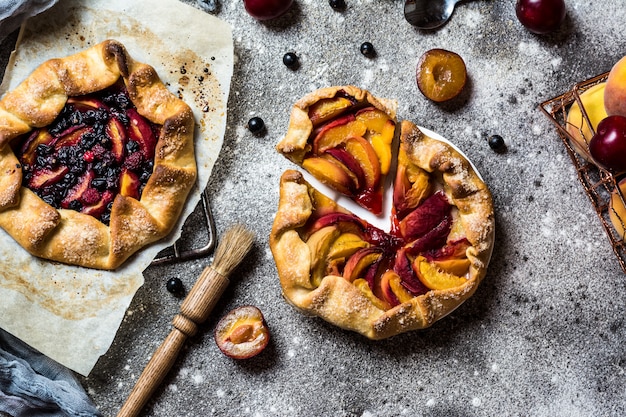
x,y
242,333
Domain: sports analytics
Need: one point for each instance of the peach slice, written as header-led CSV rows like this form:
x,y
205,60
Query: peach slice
x,y
411,186
331,172
577,126
458,267
140,131
351,163
347,223
38,137
97,209
327,109
380,132
45,176
361,261
434,278
77,191
319,244
72,137
242,333
426,217
441,74
129,184
84,104
335,133
365,154
346,245
392,289
404,268
115,130
364,287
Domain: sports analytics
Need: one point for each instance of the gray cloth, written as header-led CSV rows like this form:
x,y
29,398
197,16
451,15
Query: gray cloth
x,y
14,12
33,385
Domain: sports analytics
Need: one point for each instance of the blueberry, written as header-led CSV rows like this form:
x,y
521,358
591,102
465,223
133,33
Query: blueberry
x,y
367,49
75,205
291,60
256,125
496,143
132,146
175,286
337,4
99,184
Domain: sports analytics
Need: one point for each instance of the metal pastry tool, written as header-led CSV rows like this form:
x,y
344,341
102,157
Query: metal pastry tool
x,y
194,310
428,14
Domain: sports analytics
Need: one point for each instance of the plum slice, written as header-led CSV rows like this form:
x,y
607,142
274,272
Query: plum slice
x,y
242,333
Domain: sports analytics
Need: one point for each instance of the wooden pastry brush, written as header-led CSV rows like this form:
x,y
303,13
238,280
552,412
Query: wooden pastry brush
x,y
195,309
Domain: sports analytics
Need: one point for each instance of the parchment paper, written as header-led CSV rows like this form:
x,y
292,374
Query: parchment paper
x,y
72,314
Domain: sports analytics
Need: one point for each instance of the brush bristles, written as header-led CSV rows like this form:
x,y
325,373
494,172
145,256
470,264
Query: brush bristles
x,y
232,248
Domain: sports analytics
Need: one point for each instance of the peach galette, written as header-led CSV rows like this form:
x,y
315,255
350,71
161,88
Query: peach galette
x,y
97,158
338,266
342,136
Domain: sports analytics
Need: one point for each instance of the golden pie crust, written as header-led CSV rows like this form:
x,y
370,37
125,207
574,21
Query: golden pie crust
x,y
336,299
295,145
71,237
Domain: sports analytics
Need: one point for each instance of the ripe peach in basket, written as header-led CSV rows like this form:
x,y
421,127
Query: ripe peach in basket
x,y
615,92
577,126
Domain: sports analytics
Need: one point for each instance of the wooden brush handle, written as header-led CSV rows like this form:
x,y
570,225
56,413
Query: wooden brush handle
x,y
195,310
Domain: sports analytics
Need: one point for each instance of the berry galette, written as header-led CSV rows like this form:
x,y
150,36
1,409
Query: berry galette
x,y
335,265
97,158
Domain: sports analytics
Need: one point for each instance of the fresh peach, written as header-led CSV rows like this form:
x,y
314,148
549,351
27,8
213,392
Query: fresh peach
x,y
615,91
434,278
242,333
331,172
617,211
577,126
327,109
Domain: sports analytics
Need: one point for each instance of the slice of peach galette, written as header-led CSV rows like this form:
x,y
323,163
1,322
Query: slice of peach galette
x,y
342,136
333,264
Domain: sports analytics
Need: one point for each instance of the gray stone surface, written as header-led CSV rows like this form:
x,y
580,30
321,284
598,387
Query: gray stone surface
x,y
543,334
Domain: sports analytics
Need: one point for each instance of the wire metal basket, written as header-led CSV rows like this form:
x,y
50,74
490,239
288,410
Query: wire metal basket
x,y
599,184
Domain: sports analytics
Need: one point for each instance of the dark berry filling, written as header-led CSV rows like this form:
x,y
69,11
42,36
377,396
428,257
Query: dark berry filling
x,y
99,146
